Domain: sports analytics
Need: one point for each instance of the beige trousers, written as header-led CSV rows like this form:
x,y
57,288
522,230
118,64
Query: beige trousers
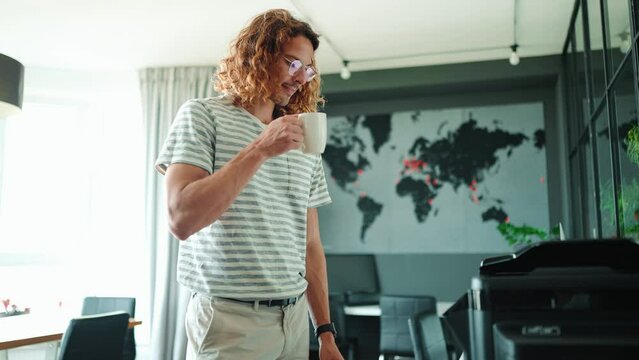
x,y
223,329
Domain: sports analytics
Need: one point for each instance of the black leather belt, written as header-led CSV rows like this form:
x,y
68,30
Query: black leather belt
x,y
270,302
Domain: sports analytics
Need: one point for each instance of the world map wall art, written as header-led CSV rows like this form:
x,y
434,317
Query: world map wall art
x,y
436,181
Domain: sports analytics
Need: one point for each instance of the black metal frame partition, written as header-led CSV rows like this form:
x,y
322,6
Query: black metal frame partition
x,y
584,106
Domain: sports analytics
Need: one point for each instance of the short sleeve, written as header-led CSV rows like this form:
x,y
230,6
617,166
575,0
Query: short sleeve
x,y
319,191
191,139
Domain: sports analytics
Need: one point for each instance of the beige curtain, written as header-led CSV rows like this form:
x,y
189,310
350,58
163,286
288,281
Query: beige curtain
x,y
163,91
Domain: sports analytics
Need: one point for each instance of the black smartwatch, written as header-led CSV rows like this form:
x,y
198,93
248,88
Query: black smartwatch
x,y
324,328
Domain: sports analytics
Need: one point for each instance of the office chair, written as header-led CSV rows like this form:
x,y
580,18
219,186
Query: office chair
x,y
431,338
345,344
99,305
395,336
95,337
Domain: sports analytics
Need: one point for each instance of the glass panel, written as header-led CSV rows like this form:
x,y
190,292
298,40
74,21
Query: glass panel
x,y
618,31
574,121
590,227
604,159
626,115
596,47
575,199
580,64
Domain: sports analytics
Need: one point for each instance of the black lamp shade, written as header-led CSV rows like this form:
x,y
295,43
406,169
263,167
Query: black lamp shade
x,y
11,86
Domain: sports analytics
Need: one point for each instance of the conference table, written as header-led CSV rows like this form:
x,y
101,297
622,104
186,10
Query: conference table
x,y
364,325
31,329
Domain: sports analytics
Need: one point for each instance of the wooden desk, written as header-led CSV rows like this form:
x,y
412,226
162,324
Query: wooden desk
x,y
23,330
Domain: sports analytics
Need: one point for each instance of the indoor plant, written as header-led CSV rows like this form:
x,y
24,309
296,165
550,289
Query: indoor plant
x,y
525,234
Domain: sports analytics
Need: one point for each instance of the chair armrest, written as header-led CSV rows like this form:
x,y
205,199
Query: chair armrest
x,y
416,334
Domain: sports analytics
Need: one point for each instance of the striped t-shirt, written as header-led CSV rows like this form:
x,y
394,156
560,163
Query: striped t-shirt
x,y
257,248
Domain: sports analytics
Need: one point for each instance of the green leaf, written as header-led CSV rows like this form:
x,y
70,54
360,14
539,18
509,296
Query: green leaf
x,y
632,140
522,234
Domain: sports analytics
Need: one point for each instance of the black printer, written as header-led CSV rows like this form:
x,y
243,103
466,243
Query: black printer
x,y
576,299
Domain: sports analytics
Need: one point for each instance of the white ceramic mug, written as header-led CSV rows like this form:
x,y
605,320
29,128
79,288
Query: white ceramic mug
x,y
314,125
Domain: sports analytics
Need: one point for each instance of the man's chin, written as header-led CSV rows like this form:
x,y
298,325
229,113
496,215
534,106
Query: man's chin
x,y
281,100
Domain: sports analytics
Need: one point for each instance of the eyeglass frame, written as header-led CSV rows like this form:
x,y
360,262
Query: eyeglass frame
x,y
292,71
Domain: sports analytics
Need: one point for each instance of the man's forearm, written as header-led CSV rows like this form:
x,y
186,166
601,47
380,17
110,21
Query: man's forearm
x,y
201,202
317,292
196,200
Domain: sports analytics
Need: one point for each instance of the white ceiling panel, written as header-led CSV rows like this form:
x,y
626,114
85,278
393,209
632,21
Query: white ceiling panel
x,y
119,34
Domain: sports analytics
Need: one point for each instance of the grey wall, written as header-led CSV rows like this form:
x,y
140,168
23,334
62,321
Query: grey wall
x,y
446,276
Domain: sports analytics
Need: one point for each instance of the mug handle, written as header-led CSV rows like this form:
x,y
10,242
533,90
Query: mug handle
x,y
302,147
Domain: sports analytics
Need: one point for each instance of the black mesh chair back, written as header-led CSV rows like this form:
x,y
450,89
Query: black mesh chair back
x,y
99,305
395,336
345,344
95,337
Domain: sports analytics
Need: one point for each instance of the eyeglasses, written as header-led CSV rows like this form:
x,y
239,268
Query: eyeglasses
x,y
296,65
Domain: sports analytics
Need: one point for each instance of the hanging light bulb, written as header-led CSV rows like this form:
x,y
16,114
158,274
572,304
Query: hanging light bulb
x,y
345,73
514,57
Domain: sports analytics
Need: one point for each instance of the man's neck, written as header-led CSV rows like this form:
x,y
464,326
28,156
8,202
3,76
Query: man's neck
x,y
263,111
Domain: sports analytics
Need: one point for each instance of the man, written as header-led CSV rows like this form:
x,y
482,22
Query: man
x,y
244,199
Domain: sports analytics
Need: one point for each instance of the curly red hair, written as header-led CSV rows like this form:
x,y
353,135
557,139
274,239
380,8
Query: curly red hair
x,y
246,74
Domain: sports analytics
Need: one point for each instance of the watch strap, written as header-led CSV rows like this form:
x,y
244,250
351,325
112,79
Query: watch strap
x,y
325,328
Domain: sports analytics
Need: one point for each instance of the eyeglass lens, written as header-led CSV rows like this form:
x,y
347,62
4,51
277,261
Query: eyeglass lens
x,y
296,65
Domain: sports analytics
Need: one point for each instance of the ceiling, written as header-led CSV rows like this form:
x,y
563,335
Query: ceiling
x,y
132,34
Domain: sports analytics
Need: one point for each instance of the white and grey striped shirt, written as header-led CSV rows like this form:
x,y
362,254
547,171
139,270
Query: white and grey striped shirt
x,y
257,248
